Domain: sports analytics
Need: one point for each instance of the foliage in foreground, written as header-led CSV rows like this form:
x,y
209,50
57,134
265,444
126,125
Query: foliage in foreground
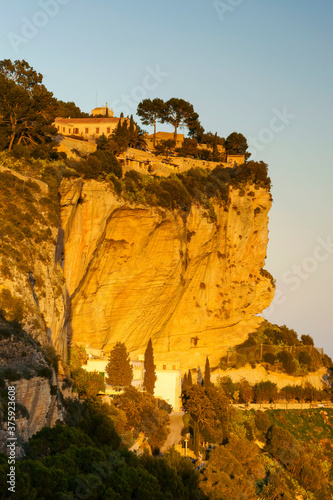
x,y
144,414
294,457
86,460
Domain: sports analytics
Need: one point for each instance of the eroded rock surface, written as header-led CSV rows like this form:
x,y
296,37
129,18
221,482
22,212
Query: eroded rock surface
x,y
191,284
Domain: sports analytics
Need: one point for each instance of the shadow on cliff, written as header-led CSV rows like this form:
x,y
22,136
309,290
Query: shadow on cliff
x,y
60,260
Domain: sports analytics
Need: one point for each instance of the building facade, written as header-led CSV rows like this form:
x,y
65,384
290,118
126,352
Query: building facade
x,y
167,385
86,128
102,122
236,159
164,136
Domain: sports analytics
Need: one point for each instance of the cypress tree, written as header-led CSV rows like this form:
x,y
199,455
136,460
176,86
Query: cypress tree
x,y
216,154
185,382
189,379
150,375
207,382
119,370
196,438
132,133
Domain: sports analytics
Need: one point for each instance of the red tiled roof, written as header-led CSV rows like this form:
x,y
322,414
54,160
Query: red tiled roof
x,y
86,120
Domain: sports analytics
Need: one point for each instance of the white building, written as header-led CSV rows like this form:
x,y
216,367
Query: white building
x,y
167,385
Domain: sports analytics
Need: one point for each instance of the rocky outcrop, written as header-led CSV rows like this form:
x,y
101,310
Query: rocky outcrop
x,y
37,397
36,408
192,284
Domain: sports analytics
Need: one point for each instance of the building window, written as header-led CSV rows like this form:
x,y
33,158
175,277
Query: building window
x,y
69,130
86,131
58,127
173,367
108,130
63,129
164,367
75,130
97,130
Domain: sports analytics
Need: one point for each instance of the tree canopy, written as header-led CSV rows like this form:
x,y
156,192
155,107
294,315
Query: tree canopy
x,y
27,108
179,113
126,135
119,369
69,109
99,164
236,144
150,111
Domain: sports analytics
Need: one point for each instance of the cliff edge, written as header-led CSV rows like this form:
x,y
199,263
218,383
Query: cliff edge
x,y
192,283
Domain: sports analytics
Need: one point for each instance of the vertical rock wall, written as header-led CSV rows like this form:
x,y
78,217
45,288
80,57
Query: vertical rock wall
x,y
133,272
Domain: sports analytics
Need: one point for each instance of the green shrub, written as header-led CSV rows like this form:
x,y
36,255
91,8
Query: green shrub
x,y
269,357
11,374
116,183
99,164
288,362
51,356
67,383
265,392
305,359
262,421
44,371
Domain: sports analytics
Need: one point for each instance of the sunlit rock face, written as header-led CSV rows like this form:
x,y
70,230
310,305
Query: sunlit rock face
x,y
192,284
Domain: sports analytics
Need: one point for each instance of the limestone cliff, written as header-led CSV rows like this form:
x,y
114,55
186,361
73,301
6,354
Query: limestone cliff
x,y
193,285
42,410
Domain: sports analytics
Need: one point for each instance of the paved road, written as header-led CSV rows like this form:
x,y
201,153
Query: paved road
x,y
176,425
282,406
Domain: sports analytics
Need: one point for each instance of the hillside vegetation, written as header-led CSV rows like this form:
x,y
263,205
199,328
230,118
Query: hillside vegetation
x,y
271,455
266,455
279,349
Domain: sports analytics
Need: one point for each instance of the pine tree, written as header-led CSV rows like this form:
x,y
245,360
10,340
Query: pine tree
x,y
189,379
150,111
150,375
207,382
119,369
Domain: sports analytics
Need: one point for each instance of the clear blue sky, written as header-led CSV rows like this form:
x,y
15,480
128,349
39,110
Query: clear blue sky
x,y
241,67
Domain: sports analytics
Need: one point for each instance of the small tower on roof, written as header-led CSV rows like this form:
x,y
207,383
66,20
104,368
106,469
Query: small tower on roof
x,y
104,111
